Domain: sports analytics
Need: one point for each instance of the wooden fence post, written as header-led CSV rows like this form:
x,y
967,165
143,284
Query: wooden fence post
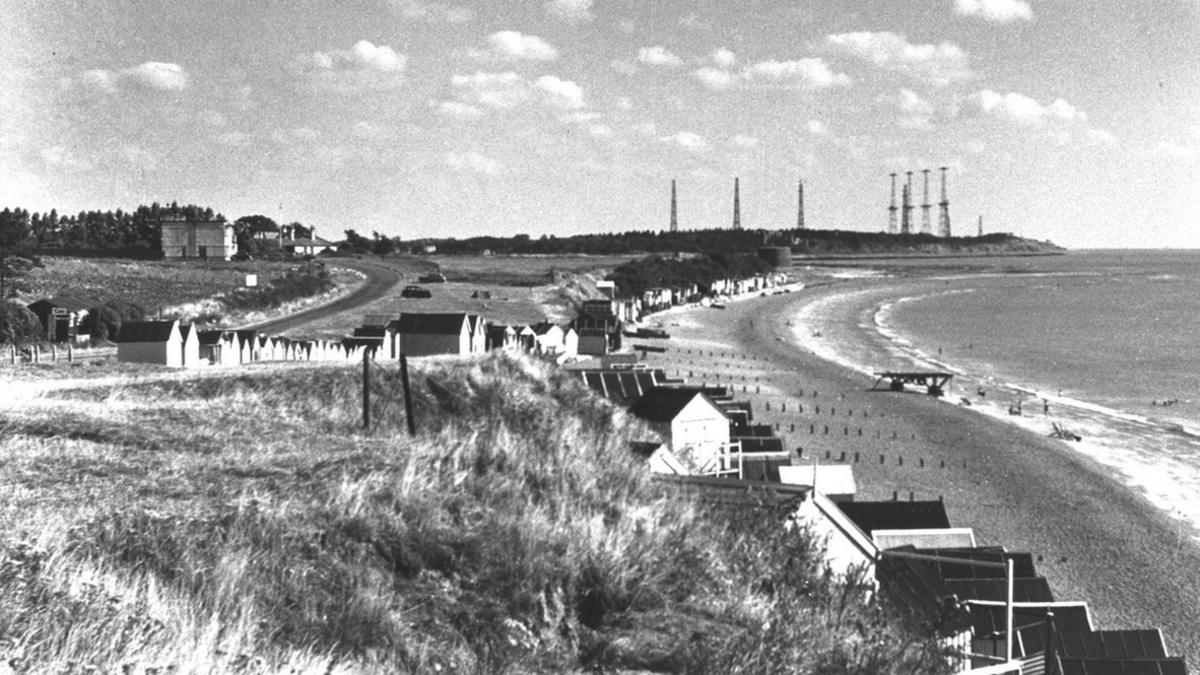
x,y
408,409
366,397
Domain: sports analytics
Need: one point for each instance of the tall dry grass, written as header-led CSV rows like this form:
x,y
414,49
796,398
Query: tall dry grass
x,y
244,522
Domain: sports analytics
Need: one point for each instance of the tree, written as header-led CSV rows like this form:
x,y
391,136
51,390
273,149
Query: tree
x,y
383,245
356,243
16,251
18,324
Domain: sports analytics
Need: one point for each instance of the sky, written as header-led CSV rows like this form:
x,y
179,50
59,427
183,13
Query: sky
x,y
1076,121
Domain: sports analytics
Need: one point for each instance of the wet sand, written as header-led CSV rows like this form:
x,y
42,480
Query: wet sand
x,y
1094,538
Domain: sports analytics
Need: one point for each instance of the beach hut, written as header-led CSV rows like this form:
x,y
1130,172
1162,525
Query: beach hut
x,y
156,342
696,428
220,347
61,316
835,481
847,552
189,347
432,334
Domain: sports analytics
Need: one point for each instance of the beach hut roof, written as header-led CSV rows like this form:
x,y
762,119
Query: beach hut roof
x,y
897,515
1025,589
951,569
1163,666
952,537
72,303
663,404
916,589
1112,644
831,479
431,324
146,331
775,497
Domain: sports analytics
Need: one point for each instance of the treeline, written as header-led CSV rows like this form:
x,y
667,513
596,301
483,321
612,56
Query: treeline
x,y
657,271
105,230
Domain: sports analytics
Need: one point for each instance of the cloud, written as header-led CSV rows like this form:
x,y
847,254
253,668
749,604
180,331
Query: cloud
x,y
458,110
432,12
995,11
915,112
816,127
152,75
213,118
1021,109
743,141
492,90
714,78
1102,137
574,12
658,56
560,93
508,90
1176,151
688,141
803,73
600,130
235,139
626,68
362,56
624,103
59,157
509,44
472,161
937,65
807,74
645,128
724,58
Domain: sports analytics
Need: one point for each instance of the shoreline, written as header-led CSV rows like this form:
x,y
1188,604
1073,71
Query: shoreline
x,y
1095,538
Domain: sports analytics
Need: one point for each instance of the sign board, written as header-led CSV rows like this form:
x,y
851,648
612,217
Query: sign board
x,y
251,280
59,310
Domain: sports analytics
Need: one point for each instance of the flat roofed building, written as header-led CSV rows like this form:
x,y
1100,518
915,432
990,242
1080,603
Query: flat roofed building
x,y
156,342
835,481
433,334
61,316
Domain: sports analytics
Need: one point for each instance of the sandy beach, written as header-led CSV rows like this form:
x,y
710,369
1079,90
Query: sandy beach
x,y
1094,533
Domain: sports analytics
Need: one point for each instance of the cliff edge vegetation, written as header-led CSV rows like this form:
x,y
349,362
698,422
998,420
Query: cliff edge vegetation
x,y
244,522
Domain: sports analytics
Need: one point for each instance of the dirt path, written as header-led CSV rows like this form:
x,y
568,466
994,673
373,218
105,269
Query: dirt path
x,y
381,280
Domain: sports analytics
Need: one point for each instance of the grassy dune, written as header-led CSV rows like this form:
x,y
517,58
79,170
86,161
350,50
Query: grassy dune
x,y
243,521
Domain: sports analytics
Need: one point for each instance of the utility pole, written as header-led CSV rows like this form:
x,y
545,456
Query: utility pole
x,y
674,212
800,207
737,206
893,227
926,224
944,208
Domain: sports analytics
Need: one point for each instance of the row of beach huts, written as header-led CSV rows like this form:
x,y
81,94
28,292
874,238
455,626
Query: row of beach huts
x,y
988,606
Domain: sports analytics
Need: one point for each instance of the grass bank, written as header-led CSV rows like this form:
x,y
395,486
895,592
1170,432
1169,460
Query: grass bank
x,y
244,522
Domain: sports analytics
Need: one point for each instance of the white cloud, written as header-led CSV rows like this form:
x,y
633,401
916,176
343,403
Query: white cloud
x,y
995,11
600,130
915,112
59,157
212,118
658,56
816,127
368,131
714,78
432,12
688,141
458,110
1177,151
1102,137
805,73
472,161
627,27
743,141
571,11
645,128
155,75
724,58
560,93
626,68
624,103
808,74
235,139
509,44
1012,106
364,55
509,90
938,64
493,90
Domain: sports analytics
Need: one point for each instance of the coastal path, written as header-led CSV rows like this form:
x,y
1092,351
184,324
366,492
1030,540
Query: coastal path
x,y
380,280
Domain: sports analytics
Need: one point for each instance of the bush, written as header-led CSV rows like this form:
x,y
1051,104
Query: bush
x,y
104,322
297,283
18,324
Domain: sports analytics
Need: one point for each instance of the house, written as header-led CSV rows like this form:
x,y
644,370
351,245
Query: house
x,y
835,481
266,231
61,315
183,238
570,342
189,347
846,551
549,338
292,239
696,428
220,347
431,334
478,334
157,342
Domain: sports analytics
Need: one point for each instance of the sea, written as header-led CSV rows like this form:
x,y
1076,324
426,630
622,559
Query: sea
x,y
1104,345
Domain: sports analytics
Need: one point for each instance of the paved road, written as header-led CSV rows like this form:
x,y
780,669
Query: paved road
x,y
380,281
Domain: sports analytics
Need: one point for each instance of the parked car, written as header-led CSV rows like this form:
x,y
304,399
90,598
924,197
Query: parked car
x,y
415,292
